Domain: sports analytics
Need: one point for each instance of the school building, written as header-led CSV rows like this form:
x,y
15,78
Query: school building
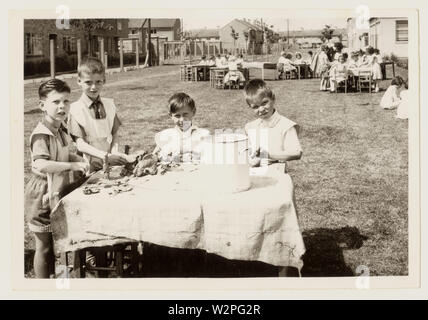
x,y
312,38
390,35
168,29
204,35
39,32
249,36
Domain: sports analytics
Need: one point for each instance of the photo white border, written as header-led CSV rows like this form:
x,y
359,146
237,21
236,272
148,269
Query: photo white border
x,y
200,285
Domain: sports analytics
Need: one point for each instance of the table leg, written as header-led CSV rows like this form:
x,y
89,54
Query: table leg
x,y
288,272
79,263
393,69
119,261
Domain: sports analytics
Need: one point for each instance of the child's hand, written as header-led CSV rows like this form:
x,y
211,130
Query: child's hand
x,y
255,153
254,162
116,160
80,166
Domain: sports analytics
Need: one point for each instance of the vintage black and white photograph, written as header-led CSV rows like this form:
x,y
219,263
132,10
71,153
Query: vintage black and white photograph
x,y
217,146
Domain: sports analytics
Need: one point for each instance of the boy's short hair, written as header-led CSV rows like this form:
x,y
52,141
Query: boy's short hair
x,y
257,87
310,52
298,54
90,65
344,55
288,56
179,100
397,81
370,50
53,85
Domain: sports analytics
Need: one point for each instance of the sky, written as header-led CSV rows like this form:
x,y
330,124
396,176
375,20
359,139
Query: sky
x,y
280,24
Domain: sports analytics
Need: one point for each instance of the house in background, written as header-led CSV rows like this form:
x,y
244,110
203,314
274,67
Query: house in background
x,y
39,32
204,34
163,28
390,35
358,38
253,42
312,38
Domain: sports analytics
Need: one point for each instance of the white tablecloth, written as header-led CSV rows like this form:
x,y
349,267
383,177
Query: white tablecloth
x,y
259,224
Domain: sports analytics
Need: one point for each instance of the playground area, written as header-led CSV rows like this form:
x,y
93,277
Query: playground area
x,y
351,183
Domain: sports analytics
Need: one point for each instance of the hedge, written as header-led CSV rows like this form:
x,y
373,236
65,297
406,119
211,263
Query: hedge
x,y
68,63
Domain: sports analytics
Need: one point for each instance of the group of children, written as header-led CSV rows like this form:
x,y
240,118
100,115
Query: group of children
x,y
221,60
287,64
336,71
233,63
397,97
92,123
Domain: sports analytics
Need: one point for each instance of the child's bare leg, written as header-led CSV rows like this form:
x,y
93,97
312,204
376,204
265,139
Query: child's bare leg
x,y
44,259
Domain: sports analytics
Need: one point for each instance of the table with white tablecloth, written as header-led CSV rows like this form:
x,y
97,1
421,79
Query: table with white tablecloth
x,y
259,224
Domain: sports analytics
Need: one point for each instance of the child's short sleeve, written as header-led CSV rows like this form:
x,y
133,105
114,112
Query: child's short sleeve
x,y
291,140
75,129
40,147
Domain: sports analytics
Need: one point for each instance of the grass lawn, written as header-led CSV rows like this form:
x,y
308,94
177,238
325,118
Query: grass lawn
x,y
351,183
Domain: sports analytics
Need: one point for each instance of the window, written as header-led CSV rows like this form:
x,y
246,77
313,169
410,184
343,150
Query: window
x,y
119,26
401,30
153,31
33,44
69,44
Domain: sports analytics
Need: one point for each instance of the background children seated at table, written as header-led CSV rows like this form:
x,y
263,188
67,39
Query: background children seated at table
x,y
234,74
212,61
403,107
361,58
183,142
240,60
353,62
218,62
338,72
285,64
391,99
203,61
309,58
298,59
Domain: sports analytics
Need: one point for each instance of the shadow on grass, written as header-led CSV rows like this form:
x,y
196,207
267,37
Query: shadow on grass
x,y
324,251
160,261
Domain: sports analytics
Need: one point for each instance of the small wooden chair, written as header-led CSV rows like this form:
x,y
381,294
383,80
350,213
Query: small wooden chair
x,y
341,84
110,260
365,80
218,78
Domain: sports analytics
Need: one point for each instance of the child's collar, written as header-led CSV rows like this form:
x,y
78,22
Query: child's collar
x,y
272,121
87,100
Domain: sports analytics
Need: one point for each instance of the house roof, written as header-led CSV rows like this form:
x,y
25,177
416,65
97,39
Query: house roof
x,y
387,18
154,23
250,25
310,33
204,33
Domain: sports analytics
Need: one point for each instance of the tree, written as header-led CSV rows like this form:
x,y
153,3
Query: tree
x,y
327,33
235,36
89,26
247,37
